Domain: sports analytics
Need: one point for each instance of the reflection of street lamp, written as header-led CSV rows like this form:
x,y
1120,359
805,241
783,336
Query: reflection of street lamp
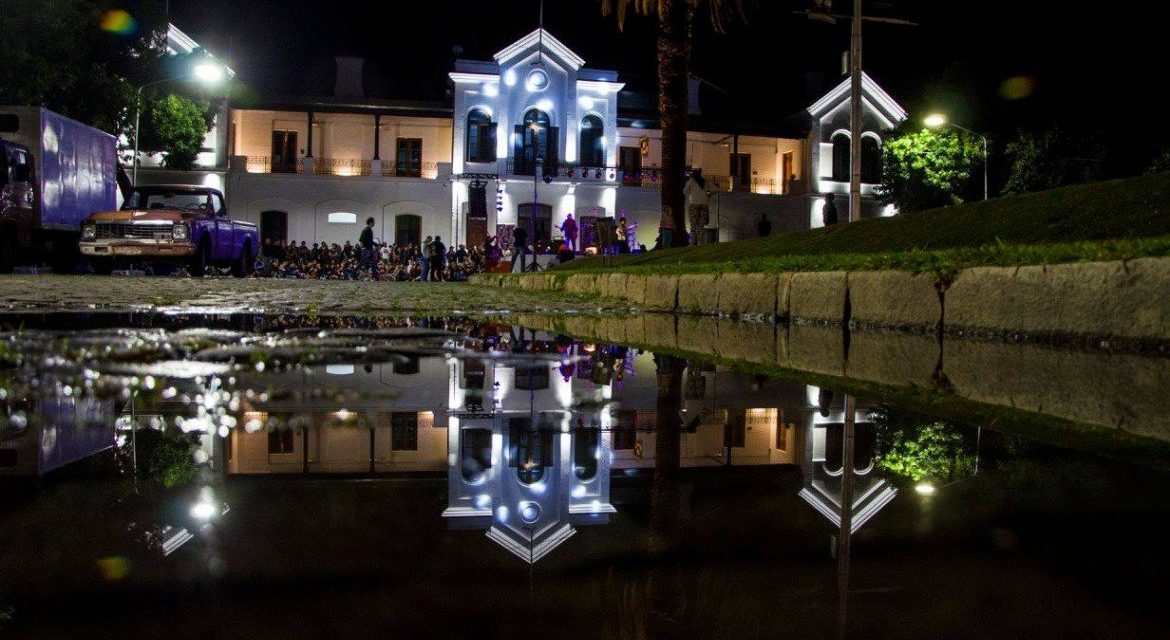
x,y
206,72
939,120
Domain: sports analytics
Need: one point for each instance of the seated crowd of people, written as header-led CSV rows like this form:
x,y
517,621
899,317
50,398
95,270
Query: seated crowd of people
x,y
399,262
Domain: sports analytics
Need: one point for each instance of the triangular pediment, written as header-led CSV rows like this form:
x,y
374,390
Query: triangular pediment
x,y
873,94
545,40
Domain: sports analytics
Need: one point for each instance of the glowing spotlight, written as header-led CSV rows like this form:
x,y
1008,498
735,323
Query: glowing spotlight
x,y
209,72
924,489
203,510
935,120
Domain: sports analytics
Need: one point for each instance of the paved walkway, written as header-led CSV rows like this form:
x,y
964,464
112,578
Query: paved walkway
x,y
67,293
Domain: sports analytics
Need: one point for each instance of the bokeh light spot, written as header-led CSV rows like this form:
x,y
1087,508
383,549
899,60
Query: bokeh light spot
x,y
119,22
1017,88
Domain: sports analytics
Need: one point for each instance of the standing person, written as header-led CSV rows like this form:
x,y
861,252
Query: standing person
x,y
620,236
829,211
519,247
666,228
440,256
426,258
369,249
764,226
569,229
698,207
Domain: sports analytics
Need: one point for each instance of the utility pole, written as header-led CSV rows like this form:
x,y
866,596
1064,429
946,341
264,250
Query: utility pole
x,y
823,13
855,100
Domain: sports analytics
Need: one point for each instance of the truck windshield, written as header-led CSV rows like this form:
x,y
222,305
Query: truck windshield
x,y
159,199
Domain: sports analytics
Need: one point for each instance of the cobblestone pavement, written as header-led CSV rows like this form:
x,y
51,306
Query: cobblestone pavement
x,y
66,293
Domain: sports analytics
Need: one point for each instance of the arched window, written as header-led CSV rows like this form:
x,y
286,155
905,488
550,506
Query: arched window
x,y
585,453
475,454
481,137
841,157
871,160
592,142
342,217
535,138
407,229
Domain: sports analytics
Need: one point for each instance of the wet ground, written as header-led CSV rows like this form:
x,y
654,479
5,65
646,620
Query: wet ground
x,y
273,295
307,476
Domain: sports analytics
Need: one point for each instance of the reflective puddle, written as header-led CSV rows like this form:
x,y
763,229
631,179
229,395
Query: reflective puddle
x,y
256,476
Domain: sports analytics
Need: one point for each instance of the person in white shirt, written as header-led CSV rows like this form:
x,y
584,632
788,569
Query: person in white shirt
x,y
698,211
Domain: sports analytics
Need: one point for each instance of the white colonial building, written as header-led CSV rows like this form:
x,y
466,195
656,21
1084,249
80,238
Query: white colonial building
x,y
527,137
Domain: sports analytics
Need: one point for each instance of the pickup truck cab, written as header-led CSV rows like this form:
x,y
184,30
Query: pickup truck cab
x,y
171,224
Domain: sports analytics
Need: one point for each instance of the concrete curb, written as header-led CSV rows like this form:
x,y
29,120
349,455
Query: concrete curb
x,y
1123,302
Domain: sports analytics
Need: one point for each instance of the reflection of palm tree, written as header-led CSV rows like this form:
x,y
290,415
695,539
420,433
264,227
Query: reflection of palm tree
x,y
665,589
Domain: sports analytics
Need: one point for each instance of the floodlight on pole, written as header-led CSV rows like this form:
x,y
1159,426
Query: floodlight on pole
x,y
939,120
207,72
935,120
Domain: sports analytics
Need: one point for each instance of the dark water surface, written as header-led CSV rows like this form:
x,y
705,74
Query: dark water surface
x,y
312,477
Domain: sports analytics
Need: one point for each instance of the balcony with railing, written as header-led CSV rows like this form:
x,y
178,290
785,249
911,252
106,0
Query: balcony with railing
x,y
343,167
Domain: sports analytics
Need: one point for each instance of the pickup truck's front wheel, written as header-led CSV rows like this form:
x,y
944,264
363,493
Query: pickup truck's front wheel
x,y
244,265
200,259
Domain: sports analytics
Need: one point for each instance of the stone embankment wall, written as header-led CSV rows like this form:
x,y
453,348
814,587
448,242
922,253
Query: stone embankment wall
x,y
1117,302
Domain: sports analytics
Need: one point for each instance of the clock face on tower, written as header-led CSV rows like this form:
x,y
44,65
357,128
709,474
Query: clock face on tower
x,y
537,80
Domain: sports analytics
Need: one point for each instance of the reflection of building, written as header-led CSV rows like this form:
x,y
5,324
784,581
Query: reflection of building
x,y
526,479
823,464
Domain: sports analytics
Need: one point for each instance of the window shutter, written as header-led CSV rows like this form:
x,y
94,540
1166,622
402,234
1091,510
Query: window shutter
x,y
490,152
519,162
551,162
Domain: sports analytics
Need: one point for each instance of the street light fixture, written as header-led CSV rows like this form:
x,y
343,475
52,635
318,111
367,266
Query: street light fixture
x,y
207,72
939,120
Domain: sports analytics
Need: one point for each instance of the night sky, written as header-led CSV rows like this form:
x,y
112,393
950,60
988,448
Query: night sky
x,y
1084,63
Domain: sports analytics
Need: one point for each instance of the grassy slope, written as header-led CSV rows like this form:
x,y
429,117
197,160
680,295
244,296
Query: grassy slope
x,y
1106,220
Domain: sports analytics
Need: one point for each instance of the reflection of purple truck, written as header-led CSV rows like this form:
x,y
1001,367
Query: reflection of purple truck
x,y
38,436
53,173
176,224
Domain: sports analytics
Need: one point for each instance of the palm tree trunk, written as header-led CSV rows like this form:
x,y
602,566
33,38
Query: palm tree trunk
x,y
673,68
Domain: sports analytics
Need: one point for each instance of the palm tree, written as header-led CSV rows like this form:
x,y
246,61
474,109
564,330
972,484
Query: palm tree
x,y
675,24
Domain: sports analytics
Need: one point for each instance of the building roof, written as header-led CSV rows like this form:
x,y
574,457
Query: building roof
x,y
540,37
370,106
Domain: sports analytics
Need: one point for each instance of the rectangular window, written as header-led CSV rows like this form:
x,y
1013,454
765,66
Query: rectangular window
x,y
280,442
735,431
405,431
625,434
741,170
284,152
630,161
787,168
408,161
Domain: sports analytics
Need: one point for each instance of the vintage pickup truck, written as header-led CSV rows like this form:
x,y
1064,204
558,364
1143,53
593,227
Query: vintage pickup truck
x,y
170,224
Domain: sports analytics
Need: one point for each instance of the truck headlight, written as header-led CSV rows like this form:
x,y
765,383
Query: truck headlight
x,y
181,232
88,232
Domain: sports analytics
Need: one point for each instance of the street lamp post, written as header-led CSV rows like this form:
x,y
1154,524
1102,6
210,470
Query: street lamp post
x,y
205,72
938,120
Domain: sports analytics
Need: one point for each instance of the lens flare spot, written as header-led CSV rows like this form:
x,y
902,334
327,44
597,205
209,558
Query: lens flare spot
x,y
114,568
1017,88
119,22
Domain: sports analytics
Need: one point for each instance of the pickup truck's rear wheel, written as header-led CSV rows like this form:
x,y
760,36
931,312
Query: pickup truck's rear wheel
x,y
243,267
200,259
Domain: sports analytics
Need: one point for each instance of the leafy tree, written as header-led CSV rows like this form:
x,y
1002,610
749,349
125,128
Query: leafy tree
x,y
923,169
56,55
177,127
1050,159
921,450
675,35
